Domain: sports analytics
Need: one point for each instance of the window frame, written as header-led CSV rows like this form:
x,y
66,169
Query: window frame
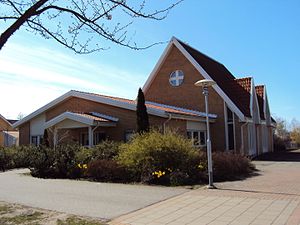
x,y
39,140
229,121
191,137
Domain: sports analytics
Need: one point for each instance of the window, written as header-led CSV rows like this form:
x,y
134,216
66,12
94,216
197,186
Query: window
x,y
84,139
128,135
230,129
198,137
36,140
176,78
97,138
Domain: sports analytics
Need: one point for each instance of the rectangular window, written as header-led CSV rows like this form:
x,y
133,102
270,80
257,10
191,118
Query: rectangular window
x,y
198,137
34,140
128,135
230,129
37,140
84,139
99,137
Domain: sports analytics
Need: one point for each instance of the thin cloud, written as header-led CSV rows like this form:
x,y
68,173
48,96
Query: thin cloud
x,y
31,77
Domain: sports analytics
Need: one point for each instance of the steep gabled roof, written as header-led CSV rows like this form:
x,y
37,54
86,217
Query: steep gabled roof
x,y
5,120
224,79
260,91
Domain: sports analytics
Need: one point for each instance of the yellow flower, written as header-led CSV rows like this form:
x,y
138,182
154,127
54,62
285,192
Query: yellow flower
x,y
79,165
84,166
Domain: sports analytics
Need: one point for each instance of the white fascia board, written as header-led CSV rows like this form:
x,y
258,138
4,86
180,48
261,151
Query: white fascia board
x,y
157,66
42,109
111,118
190,118
206,76
265,101
247,120
254,100
71,116
267,106
251,98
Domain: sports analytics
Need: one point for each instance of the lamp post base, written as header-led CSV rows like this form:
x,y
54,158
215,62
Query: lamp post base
x,y
211,187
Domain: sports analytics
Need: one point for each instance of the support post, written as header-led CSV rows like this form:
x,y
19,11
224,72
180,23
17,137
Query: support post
x,y
91,136
208,142
54,137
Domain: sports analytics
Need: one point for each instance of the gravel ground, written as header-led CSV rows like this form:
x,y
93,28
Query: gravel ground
x,y
83,198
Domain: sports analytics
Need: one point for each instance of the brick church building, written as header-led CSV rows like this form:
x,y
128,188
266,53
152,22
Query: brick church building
x,y
240,116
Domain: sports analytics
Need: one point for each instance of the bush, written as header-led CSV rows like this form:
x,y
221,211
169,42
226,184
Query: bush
x,y
230,166
107,171
151,157
105,150
279,144
60,162
6,159
68,160
22,156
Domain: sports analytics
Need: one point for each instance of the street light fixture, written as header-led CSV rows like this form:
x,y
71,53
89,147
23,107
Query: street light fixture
x,y
205,84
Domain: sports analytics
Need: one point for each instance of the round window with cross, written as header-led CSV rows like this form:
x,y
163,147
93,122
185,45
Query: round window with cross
x,y
176,78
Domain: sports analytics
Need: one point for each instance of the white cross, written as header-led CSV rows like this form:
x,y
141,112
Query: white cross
x,y
177,76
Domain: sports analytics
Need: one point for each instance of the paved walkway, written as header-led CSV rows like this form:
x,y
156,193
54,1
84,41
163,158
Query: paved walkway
x,y
99,200
272,197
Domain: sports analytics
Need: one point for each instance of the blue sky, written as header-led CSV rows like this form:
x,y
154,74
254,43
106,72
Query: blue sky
x,y
251,38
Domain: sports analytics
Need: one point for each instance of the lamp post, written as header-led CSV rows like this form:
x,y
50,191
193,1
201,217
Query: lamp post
x,y
205,84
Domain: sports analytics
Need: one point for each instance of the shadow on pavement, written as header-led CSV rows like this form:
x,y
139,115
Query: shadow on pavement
x,y
284,156
256,191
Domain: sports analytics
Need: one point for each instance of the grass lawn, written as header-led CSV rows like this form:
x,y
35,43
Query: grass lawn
x,y
13,214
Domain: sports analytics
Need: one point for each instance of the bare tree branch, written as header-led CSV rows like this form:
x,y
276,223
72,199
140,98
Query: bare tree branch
x,y
80,23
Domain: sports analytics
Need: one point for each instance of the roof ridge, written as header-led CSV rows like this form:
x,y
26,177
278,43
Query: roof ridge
x,y
102,95
241,78
182,42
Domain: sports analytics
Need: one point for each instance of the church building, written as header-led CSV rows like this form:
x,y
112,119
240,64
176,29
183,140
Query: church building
x,y
240,117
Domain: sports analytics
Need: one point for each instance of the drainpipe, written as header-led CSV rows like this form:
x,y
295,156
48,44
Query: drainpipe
x,y
164,125
242,136
96,127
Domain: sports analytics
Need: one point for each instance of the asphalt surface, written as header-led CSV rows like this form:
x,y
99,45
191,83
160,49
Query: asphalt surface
x,y
100,200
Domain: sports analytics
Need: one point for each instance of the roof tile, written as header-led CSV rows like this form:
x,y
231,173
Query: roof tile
x,y
157,106
224,79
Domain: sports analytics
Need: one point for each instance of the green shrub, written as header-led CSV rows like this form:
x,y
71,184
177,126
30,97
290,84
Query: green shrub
x,y
105,150
42,162
22,155
60,162
107,171
151,152
67,160
6,159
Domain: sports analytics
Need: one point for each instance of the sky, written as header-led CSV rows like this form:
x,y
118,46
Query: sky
x,y
251,38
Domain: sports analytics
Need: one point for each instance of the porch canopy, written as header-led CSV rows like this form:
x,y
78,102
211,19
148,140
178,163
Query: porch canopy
x,y
71,120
